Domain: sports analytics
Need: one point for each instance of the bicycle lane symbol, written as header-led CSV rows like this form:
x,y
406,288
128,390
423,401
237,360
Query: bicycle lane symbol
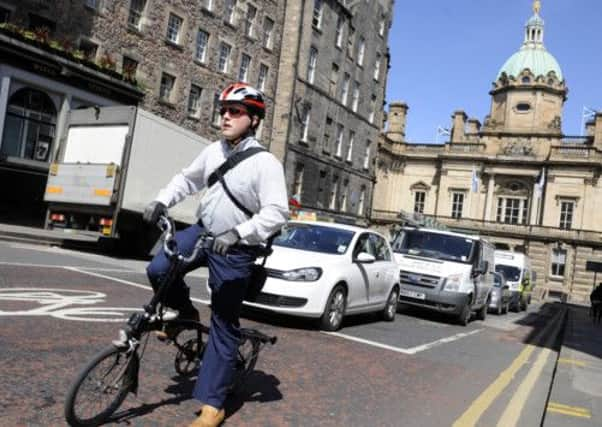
x,y
65,304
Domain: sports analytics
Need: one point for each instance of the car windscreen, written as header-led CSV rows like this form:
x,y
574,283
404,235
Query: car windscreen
x,y
315,238
434,245
512,274
497,280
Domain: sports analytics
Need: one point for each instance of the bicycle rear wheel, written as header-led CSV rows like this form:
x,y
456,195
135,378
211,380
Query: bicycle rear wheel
x,y
101,387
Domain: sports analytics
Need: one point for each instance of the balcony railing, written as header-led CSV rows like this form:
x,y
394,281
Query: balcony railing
x,y
575,151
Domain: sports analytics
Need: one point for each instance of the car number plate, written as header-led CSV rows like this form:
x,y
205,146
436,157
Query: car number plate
x,y
412,294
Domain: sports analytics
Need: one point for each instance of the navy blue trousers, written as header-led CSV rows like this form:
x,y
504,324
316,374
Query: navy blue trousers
x,y
228,279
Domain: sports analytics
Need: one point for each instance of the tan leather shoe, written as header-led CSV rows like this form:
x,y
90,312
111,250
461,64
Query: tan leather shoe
x,y
171,332
210,417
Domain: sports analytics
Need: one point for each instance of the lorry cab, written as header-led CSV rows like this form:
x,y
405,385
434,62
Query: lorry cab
x,y
516,268
445,271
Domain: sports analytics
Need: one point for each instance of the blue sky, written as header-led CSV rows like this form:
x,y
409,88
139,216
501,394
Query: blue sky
x,y
445,55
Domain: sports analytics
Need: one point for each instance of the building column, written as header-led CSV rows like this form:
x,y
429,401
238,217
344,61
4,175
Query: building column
x,y
489,201
4,89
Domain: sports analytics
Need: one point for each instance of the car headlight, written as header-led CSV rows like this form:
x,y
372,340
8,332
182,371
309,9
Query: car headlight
x,y
452,283
307,274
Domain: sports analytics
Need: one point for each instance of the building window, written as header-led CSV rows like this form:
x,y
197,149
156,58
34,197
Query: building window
x,y
361,201
512,210
372,112
216,119
37,22
245,64
327,132
457,205
207,4
4,15
338,40
318,11
136,12
89,49
339,140
229,9
558,262
344,195
350,42
377,66
345,89
129,68
166,88
268,33
334,77
334,193
381,26
349,157
355,100
419,200
224,57
29,126
298,182
566,214
174,25
194,101
311,65
361,50
262,77
202,45
250,20
305,123
367,156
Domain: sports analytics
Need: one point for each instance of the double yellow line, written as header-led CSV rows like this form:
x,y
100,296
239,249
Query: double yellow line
x,y
512,412
574,411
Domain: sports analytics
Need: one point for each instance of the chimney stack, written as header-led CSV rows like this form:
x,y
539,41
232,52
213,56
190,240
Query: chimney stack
x,y
597,131
459,126
397,116
474,126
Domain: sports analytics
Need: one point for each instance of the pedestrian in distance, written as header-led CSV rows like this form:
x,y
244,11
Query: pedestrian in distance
x,y
595,299
245,202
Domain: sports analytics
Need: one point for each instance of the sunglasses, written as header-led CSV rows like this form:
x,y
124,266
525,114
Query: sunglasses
x,y
234,112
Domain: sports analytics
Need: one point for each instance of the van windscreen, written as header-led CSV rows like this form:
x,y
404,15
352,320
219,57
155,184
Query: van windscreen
x,y
512,274
434,245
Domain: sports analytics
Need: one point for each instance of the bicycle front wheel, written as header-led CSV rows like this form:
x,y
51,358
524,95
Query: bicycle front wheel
x,y
101,387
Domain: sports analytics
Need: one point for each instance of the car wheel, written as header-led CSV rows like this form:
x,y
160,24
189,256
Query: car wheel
x,y
482,313
335,309
390,309
464,316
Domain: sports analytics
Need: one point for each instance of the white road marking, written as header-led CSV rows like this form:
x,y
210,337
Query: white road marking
x,y
412,350
126,282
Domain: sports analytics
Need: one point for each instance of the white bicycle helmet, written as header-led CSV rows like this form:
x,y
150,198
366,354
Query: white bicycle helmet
x,y
244,94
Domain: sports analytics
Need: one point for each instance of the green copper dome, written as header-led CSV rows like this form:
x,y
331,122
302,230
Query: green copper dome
x,y
536,59
532,54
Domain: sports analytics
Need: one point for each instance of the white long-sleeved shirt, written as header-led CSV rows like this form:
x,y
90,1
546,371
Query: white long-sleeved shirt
x,y
257,182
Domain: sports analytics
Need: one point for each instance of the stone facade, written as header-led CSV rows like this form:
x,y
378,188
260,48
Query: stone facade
x,y
517,179
142,36
331,89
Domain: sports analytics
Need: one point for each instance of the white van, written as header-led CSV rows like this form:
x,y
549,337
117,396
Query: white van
x,y
516,268
445,271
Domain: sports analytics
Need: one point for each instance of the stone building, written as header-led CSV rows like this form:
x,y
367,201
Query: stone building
x,y
171,57
331,88
516,178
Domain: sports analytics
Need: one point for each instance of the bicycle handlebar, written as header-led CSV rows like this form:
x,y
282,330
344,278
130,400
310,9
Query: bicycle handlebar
x,y
170,246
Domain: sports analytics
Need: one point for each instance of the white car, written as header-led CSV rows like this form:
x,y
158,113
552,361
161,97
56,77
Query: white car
x,y
325,270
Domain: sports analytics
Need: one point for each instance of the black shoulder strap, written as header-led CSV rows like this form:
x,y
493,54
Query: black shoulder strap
x,y
231,162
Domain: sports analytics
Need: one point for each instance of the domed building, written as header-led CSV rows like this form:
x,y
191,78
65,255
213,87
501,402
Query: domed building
x,y
516,178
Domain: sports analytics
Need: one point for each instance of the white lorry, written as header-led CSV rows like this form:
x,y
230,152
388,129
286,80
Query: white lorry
x,y
111,163
445,271
516,268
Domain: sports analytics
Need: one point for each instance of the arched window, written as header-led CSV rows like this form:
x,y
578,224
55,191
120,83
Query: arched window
x,y
526,79
30,125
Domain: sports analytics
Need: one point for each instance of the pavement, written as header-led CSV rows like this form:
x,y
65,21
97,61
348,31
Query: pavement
x,y
575,396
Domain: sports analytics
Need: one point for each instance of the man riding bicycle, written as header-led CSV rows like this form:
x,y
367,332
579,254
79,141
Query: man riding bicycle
x,y
244,204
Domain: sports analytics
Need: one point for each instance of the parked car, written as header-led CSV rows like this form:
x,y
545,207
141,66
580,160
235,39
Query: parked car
x,y
326,271
500,294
